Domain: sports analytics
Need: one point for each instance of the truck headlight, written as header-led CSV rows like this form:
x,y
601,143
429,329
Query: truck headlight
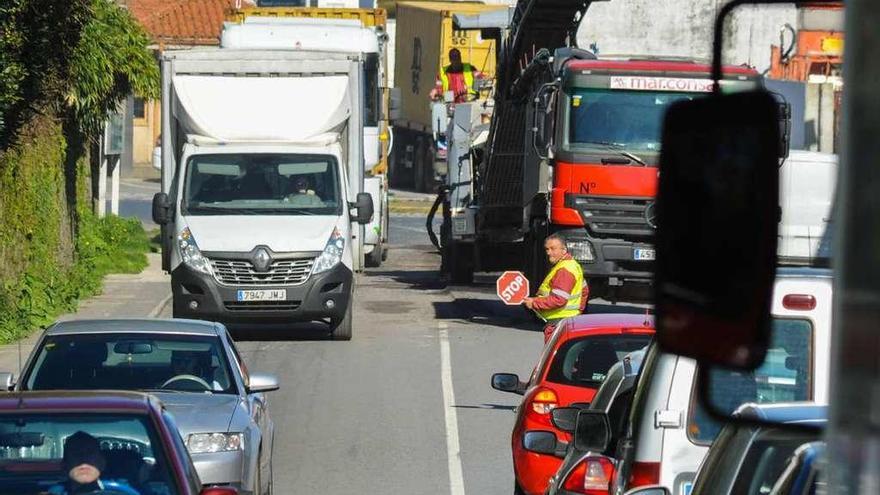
x,y
204,443
581,250
190,253
332,254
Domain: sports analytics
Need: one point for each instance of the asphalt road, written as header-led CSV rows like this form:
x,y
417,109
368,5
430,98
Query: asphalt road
x,y
406,406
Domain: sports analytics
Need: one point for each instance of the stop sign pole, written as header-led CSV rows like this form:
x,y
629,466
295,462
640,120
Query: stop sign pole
x,y
512,288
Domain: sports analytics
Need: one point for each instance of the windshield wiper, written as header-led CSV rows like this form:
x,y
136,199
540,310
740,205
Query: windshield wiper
x,y
616,147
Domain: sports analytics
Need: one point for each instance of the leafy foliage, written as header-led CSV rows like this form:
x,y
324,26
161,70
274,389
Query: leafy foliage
x,y
64,65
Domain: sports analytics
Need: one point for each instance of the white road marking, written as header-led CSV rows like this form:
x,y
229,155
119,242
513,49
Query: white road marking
x,y
453,449
155,312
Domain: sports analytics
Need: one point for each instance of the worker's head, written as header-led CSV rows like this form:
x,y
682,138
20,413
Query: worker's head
x,y
555,248
455,60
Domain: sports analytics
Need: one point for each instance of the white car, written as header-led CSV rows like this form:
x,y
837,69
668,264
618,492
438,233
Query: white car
x,y
669,433
806,191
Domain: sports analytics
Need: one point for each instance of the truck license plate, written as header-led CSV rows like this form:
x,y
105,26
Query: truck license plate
x,y
643,254
262,295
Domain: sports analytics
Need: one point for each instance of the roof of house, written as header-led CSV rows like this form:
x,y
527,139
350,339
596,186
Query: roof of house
x,y
183,22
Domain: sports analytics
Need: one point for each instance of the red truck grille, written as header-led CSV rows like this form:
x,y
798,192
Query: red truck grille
x,y
613,216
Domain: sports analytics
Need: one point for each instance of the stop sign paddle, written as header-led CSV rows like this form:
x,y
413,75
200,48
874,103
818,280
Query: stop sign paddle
x,y
512,288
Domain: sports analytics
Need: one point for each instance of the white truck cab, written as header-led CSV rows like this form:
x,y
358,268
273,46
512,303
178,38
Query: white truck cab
x,y
262,201
669,432
334,36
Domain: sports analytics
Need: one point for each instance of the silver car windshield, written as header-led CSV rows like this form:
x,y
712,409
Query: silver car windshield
x,y
172,363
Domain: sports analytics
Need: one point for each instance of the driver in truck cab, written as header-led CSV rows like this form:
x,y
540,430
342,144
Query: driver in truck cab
x,y
564,292
457,77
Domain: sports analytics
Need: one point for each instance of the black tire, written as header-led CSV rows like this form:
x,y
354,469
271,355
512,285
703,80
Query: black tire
x,y
341,330
384,253
535,266
517,490
419,166
375,258
461,263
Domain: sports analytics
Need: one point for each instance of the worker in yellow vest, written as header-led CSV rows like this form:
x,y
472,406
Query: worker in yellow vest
x,y
457,77
564,292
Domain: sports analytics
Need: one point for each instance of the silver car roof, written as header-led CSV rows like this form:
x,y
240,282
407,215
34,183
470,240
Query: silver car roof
x,y
134,325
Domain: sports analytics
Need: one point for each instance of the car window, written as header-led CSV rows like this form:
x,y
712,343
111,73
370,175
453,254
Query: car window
x,y
785,376
585,362
548,352
186,363
765,462
125,447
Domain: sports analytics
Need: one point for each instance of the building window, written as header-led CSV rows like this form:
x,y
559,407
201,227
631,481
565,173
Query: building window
x,y
139,111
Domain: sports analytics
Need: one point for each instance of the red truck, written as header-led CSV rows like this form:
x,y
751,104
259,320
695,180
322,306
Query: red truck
x,y
583,165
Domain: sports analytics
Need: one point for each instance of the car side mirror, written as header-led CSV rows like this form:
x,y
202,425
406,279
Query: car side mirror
x,y
7,380
592,432
262,382
218,490
649,490
564,418
717,204
161,208
540,442
508,382
364,206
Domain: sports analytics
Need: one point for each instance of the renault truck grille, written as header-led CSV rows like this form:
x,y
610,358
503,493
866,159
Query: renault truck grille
x,y
280,272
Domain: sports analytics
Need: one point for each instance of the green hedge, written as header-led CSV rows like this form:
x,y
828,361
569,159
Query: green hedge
x,y
53,251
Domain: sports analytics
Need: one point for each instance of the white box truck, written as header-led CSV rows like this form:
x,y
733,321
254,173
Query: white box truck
x,y
262,205
334,35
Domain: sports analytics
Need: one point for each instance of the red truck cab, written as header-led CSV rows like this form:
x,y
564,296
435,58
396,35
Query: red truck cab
x,y
606,145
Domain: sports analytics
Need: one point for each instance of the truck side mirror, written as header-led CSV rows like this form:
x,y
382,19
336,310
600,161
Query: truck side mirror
x,y
364,206
395,103
716,237
161,208
542,124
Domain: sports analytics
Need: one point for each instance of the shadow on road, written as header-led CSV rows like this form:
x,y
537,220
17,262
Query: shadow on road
x,y
271,333
415,279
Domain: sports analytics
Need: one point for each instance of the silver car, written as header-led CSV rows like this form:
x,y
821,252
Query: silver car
x,y
191,366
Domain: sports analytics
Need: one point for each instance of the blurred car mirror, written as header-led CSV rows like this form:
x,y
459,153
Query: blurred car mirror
x,y
507,382
649,490
540,442
263,382
592,431
564,418
718,199
7,380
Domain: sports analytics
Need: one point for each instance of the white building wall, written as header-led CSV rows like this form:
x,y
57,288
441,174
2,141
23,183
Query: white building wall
x,y
683,28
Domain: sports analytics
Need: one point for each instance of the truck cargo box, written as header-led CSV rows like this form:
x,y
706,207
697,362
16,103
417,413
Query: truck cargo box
x,y
424,37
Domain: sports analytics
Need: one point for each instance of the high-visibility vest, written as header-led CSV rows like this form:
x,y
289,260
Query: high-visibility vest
x,y
573,301
467,70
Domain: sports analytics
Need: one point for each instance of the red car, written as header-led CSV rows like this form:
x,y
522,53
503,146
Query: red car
x,y
123,443
572,366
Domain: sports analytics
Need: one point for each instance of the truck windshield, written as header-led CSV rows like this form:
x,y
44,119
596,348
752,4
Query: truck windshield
x,y
599,119
261,184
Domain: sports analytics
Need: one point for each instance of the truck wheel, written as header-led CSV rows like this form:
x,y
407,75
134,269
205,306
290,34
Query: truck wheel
x,y
535,267
461,264
341,330
384,253
374,259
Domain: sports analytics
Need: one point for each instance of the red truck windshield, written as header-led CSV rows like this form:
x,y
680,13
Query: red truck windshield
x,y
629,120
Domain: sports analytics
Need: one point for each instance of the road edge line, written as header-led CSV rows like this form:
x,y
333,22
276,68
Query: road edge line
x,y
156,311
453,448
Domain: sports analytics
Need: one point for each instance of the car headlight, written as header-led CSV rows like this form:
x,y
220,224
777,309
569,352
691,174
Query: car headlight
x,y
190,253
332,254
204,443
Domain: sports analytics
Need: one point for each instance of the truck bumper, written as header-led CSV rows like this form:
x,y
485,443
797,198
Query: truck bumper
x,y
612,259
199,296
